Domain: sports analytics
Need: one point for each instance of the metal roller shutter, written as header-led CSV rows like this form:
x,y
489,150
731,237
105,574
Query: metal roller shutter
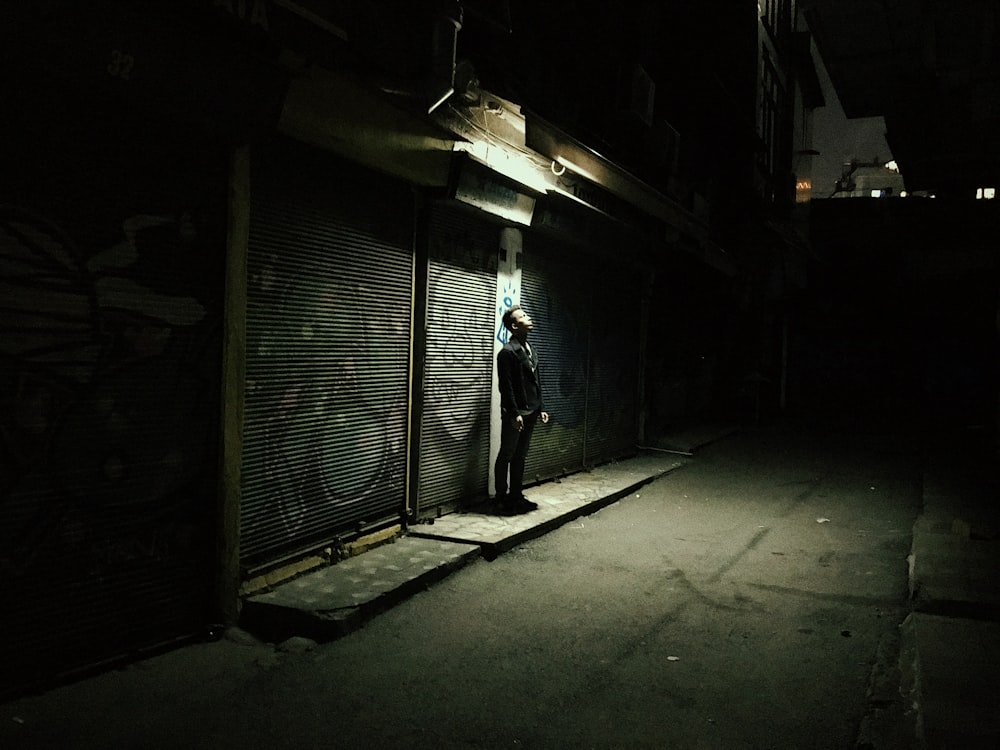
x,y
555,291
328,348
455,423
613,377
587,329
112,238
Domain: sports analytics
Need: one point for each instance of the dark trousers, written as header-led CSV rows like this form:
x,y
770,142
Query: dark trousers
x,y
513,451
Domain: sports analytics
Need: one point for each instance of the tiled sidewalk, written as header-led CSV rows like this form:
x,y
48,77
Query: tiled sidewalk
x,y
332,601
559,501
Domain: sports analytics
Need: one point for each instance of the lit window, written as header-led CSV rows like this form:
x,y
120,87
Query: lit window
x,y
989,193
876,193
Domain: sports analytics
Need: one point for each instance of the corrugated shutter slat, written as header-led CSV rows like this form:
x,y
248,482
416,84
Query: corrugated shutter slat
x,y
328,346
552,293
455,433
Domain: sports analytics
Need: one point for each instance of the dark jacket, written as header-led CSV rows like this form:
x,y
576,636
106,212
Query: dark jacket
x,y
518,381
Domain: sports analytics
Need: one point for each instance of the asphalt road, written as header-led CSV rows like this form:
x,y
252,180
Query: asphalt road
x,y
739,602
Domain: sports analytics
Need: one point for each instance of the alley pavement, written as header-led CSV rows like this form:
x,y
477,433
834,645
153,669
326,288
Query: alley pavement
x,y
938,688
334,600
941,689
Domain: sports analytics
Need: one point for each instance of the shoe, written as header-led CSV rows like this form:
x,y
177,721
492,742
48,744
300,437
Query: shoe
x,y
502,506
521,504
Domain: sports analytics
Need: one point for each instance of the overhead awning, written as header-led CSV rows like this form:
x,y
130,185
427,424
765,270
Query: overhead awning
x,y
336,113
565,150
582,161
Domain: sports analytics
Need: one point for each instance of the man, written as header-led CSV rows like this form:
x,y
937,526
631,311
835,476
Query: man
x,y
520,408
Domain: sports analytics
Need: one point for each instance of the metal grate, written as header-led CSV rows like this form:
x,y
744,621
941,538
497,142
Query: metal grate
x,y
555,291
455,423
613,374
587,330
328,342
109,348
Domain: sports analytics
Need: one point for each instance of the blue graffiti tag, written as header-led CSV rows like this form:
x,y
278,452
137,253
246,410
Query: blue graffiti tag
x,y
503,335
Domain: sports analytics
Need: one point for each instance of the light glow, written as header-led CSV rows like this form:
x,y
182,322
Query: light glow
x,y
578,170
803,190
515,166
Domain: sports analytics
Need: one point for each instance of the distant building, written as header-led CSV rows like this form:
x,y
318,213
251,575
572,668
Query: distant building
x,y
873,179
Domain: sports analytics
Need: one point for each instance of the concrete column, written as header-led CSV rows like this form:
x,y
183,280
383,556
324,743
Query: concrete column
x,y
508,293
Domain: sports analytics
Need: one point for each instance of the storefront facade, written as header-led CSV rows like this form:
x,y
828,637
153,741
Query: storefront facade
x,y
241,331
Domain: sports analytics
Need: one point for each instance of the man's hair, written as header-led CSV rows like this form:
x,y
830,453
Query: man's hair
x,y
509,314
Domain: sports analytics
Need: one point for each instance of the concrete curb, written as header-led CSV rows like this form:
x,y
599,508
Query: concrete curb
x,y
950,681
493,549
949,653
332,602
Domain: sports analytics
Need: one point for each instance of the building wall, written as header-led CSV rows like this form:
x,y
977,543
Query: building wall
x,y
143,216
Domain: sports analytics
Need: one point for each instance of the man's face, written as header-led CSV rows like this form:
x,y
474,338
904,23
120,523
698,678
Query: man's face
x,y
520,323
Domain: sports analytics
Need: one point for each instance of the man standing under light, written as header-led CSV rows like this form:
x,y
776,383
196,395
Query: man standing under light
x,y
520,408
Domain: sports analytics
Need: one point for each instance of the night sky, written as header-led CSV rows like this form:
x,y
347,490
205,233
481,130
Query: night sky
x,y
839,139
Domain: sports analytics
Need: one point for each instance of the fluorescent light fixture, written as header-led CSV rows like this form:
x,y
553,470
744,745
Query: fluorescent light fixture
x,y
444,96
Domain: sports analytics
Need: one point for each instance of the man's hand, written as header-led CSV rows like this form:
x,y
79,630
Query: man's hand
x,y
519,421
545,417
